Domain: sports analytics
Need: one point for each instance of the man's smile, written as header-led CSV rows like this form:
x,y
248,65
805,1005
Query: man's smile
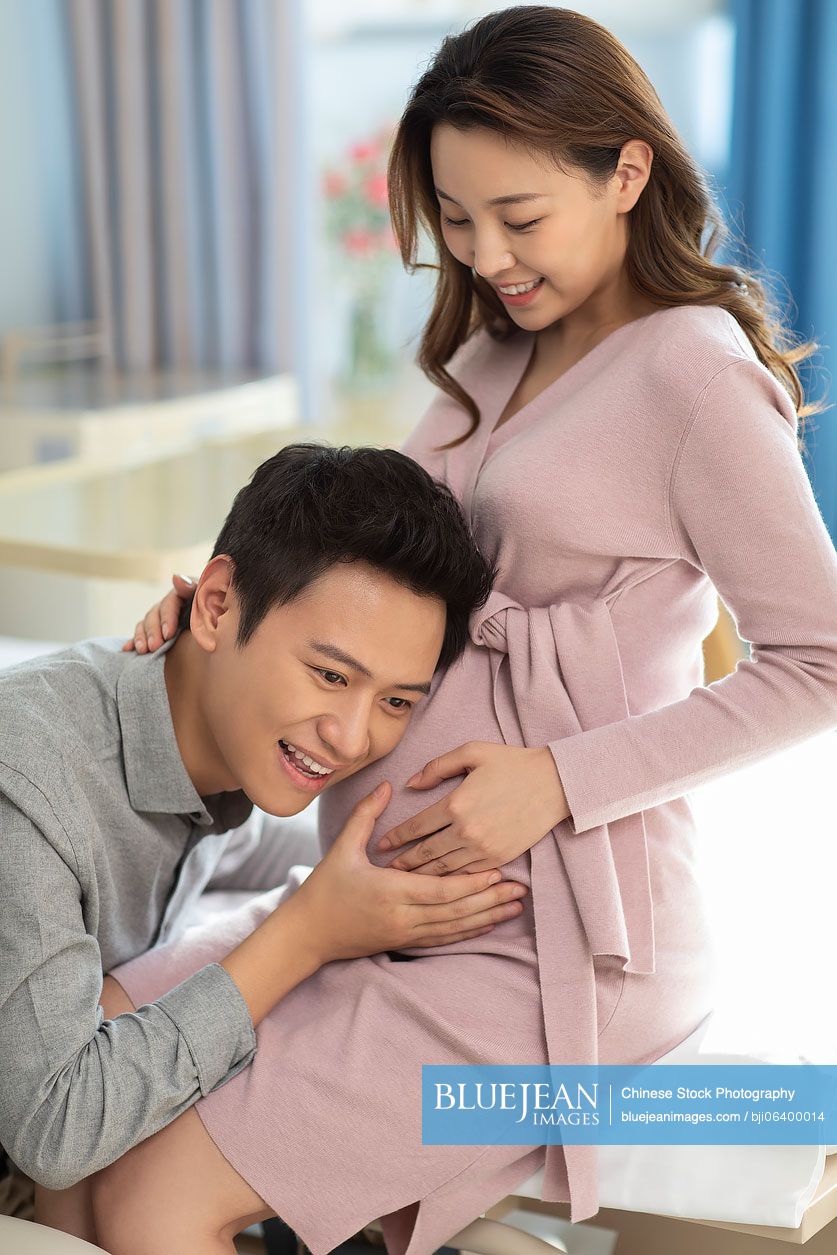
x,y
303,771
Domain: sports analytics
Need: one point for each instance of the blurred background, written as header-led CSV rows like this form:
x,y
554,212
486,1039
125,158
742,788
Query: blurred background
x,y
197,266
196,253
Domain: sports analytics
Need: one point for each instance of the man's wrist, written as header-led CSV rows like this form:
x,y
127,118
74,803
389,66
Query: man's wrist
x,y
272,960
297,924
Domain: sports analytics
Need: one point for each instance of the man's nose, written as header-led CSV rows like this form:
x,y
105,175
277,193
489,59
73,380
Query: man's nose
x,y
347,733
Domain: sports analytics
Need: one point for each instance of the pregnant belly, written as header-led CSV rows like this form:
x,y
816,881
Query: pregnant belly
x,y
459,708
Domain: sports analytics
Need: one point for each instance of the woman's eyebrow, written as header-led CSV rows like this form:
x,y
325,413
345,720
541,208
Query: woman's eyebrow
x,y
339,655
517,199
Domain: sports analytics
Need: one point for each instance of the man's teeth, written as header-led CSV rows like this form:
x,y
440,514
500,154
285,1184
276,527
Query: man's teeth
x,y
517,288
310,763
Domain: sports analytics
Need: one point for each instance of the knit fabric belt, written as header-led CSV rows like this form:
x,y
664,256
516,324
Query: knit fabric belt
x,y
591,891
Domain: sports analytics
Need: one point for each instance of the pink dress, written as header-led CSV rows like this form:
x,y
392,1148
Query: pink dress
x,y
660,468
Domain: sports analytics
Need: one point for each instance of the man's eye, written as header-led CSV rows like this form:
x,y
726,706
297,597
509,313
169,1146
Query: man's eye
x,y
331,677
402,703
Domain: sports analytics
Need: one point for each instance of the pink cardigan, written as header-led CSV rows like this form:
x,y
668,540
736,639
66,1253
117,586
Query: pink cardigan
x,y
662,463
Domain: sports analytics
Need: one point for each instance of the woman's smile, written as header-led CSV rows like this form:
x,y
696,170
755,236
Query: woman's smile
x,y
520,298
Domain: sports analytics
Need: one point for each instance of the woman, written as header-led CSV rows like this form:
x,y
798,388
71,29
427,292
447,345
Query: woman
x,y
618,415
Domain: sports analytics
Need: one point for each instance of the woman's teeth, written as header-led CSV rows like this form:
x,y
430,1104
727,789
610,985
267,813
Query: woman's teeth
x,y
517,288
304,763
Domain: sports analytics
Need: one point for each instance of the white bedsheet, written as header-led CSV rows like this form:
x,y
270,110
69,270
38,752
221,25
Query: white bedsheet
x,y
768,1185
769,865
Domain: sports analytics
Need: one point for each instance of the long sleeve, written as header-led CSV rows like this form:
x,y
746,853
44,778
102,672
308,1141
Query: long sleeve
x,y
78,1091
742,511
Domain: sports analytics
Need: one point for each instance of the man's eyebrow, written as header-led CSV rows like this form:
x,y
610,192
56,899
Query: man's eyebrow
x,y
346,660
517,199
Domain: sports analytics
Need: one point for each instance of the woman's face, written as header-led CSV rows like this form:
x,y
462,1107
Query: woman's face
x,y
559,228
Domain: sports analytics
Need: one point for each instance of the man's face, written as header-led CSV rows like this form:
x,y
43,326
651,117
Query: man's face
x,y
332,677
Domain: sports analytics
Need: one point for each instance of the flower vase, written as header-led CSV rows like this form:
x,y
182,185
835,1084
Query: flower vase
x,y
370,357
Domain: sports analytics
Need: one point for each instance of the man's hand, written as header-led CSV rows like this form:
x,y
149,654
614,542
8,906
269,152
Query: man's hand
x,y
353,908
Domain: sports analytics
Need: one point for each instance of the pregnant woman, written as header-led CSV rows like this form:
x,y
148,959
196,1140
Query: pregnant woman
x,y
618,415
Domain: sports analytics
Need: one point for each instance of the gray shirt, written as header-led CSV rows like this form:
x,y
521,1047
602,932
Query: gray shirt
x,y
104,843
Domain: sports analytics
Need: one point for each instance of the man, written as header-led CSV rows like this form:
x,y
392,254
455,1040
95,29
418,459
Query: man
x,y
339,582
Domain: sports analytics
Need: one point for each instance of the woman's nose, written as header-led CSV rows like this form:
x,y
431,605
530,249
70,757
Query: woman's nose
x,y
492,261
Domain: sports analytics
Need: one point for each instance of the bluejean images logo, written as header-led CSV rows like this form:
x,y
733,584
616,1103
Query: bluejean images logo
x,y
598,1104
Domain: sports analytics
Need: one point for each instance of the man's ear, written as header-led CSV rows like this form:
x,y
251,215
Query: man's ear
x,y
214,605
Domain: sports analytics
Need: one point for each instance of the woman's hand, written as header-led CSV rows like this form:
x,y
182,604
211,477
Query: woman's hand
x,y
161,620
510,799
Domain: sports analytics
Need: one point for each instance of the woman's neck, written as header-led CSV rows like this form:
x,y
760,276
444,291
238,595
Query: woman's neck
x,y
583,328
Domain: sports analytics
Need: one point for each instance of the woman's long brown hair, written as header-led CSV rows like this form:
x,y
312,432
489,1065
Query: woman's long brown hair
x,y
558,83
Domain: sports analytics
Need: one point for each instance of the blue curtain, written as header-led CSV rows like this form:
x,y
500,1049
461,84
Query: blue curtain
x,y
782,188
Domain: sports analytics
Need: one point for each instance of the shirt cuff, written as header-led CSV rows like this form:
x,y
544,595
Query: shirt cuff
x,y
208,1010
573,756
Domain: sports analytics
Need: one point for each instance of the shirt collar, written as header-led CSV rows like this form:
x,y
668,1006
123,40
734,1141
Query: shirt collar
x,y
155,773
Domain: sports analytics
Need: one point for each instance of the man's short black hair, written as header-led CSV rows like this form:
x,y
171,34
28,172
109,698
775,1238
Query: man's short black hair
x,y
313,505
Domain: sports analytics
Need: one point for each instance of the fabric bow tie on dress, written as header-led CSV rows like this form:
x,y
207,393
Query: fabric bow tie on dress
x,y
591,891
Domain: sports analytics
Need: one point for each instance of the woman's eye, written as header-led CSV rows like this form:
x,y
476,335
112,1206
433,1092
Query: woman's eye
x,y
523,226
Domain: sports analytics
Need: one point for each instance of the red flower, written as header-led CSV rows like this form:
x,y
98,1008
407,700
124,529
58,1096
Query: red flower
x,y
376,189
334,184
363,151
359,243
